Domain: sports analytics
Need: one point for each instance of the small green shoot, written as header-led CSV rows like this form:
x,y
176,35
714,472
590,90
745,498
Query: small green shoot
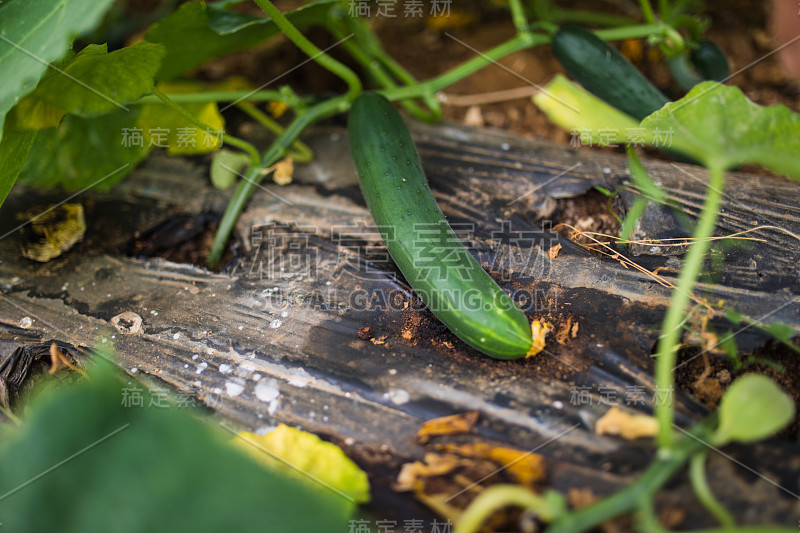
x,y
226,165
752,409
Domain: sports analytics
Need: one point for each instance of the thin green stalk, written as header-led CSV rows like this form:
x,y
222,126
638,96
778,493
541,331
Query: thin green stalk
x,y
226,138
219,96
647,521
670,329
647,11
631,32
681,6
630,498
253,176
542,9
695,27
300,152
518,15
664,9
326,61
367,50
375,68
495,498
697,474
434,85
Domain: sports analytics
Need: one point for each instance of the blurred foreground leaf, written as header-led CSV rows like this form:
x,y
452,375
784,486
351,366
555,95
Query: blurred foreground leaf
x,y
33,34
82,461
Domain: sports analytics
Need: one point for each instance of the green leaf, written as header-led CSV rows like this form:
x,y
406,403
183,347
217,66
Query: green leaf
x,y
14,148
719,126
35,114
196,33
642,180
714,124
311,459
225,167
634,214
752,408
34,34
783,332
97,82
779,330
728,345
127,468
82,152
164,127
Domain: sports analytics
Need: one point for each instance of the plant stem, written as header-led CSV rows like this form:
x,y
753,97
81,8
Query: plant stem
x,y
670,329
229,139
630,498
697,475
251,180
647,11
218,96
518,15
434,85
637,31
373,60
663,9
497,497
301,153
326,61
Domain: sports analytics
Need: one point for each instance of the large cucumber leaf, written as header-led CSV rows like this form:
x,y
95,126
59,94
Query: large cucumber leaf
x,y
14,150
197,32
82,152
719,126
96,82
34,34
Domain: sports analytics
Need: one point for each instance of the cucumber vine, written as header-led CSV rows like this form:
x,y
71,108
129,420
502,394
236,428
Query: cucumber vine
x,y
670,26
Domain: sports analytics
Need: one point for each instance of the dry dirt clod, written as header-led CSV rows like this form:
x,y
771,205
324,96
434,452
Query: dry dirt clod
x,y
127,323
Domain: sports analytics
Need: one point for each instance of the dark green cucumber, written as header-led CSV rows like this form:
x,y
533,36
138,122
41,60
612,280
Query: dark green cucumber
x,y
606,73
683,71
426,250
710,61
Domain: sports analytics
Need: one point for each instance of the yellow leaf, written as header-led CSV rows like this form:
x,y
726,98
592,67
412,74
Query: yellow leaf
x,y
528,468
31,113
166,128
539,330
308,457
283,171
276,108
448,425
52,230
626,425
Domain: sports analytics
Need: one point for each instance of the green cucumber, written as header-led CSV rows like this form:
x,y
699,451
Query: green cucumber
x,y
683,71
426,250
710,61
605,72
